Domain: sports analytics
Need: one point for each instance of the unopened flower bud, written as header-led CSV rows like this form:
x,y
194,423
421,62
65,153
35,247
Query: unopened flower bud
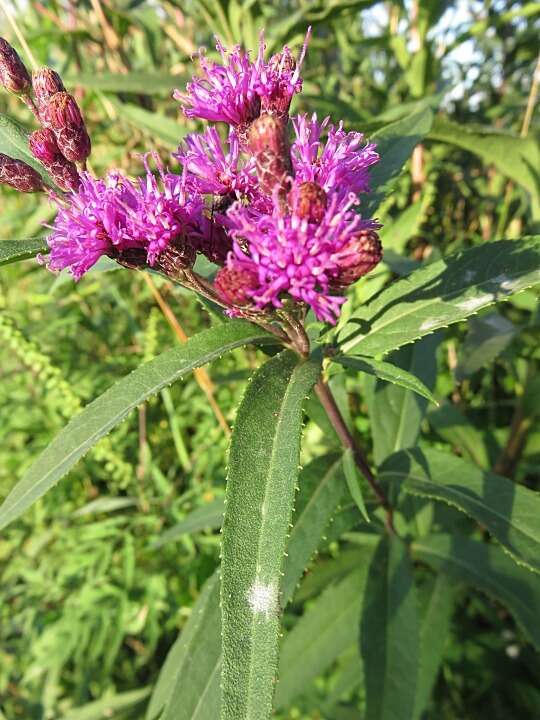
x,y
44,148
63,112
43,145
357,258
233,284
46,82
17,174
74,143
177,256
309,201
13,73
269,144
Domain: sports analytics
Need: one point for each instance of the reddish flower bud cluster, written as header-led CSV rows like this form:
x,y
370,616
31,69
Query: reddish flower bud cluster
x,y
44,147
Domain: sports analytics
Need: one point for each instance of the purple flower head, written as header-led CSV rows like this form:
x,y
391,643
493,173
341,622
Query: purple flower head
x,y
112,216
338,165
210,170
292,255
234,91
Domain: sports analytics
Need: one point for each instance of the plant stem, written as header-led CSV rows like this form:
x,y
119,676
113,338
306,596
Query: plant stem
x,y
348,441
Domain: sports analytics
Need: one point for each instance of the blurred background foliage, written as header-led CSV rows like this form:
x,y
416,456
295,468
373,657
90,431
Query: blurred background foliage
x,y
92,591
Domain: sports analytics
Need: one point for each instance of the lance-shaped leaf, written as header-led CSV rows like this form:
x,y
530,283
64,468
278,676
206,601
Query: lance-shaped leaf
x,y
101,415
188,684
388,372
208,515
443,292
263,472
389,634
395,143
488,568
510,512
15,250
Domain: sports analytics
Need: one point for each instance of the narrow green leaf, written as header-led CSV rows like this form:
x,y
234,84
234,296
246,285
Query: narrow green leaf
x,y
452,425
15,250
353,482
159,126
108,707
386,371
486,567
433,634
443,292
487,338
510,512
395,412
100,416
395,143
134,82
188,684
263,472
209,515
14,142
389,634
321,490
323,632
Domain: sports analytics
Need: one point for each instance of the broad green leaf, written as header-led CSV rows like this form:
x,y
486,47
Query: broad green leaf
x,y
14,142
443,292
488,336
516,157
389,634
450,424
321,486
510,512
134,82
209,515
108,707
352,476
188,683
263,472
14,250
322,634
386,371
395,412
486,567
434,631
101,415
395,143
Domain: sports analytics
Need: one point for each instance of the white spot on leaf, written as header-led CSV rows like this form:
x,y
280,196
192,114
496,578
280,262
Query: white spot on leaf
x,y
429,324
263,599
475,303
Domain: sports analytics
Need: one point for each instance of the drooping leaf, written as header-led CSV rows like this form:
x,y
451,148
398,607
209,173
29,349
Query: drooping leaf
x,y
324,632
388,372
352,477
434,630
452,425
134,82
389,634
159,126
488,568
395,412
101,415
395,143
263,472
209,515
510,512
444,292
188,684
487,338
321,486
15,250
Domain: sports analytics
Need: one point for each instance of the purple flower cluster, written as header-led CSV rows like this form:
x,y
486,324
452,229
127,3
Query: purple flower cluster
x,y
280,218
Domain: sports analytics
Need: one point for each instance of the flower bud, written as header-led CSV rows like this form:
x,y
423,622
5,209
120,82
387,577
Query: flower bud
x,y
309,201
177,256
357,258
13,74
74,143
19,175
65,174
268,141
233,284
63,112
46,83
43,146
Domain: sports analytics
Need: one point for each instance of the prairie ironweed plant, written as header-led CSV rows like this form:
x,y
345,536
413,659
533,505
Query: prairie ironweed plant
x,y
271,217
